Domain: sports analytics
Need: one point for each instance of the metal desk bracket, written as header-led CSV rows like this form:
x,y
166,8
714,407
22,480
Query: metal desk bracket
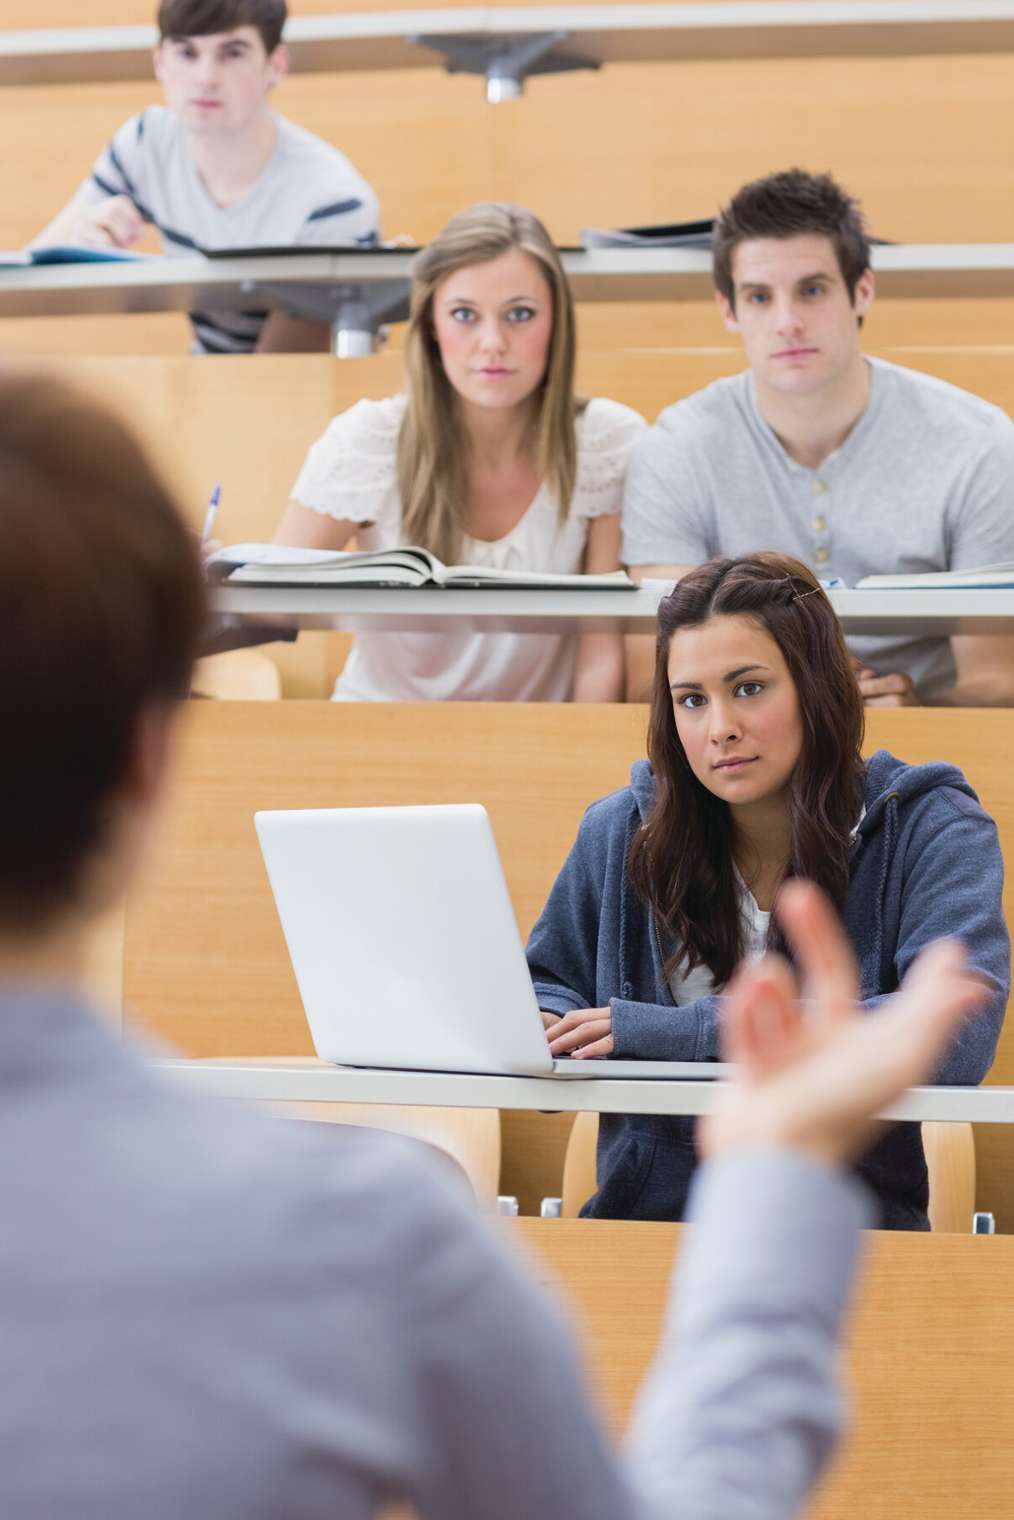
x,y
355,313
506,61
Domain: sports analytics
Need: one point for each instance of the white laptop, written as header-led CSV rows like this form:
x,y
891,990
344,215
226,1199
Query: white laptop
x,y
405,947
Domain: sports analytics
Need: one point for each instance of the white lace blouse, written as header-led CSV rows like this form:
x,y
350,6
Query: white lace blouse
x,y
350,474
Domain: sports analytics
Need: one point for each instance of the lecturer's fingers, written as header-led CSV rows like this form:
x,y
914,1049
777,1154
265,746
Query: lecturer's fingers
x,y
761,1016
814,931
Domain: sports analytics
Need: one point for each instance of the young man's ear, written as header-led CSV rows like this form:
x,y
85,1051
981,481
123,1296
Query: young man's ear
x,y
148,767
728,312
862,300
277,65
156,61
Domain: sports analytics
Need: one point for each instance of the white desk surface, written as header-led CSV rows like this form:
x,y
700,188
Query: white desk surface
x,y
627,33
663,274
428,608
282,1080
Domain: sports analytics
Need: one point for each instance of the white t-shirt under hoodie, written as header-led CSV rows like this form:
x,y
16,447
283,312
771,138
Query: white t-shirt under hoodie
x,y
350,473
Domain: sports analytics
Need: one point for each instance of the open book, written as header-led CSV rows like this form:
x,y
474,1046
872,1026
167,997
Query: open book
x,y
983,578
23,258
280,565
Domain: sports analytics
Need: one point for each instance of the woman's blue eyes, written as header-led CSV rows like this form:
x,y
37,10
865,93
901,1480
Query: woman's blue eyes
x,y
696,699
466,314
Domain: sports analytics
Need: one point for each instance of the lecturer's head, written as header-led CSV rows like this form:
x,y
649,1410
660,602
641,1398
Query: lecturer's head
x,y
101,604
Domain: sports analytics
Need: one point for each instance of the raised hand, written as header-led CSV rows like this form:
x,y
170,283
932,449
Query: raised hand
x,y
812,1074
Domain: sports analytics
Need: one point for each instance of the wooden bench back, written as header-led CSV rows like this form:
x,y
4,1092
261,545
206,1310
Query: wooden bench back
x,y
223,421
929,1357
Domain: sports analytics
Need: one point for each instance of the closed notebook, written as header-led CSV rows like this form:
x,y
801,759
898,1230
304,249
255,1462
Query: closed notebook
x,y
281,565
984,577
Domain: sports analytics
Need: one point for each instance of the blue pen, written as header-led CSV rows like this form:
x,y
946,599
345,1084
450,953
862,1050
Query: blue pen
x,y
209,516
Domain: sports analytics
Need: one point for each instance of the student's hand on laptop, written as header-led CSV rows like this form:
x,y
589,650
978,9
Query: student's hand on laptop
x,y
114,223
583,1034
812,1078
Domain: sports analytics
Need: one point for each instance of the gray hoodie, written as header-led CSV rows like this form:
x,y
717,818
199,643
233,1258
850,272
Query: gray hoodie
x,y
925,863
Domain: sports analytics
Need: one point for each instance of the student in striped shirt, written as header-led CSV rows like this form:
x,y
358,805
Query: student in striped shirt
x,y
215,169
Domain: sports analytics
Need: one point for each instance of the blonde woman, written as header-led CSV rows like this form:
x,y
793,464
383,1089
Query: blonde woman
x,y
487,459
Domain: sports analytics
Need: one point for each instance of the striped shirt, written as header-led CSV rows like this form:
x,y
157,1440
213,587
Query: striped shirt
x,y
307,195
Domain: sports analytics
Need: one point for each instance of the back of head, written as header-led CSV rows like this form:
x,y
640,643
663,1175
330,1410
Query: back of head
x,y
789,204
203,18
430,454
101,604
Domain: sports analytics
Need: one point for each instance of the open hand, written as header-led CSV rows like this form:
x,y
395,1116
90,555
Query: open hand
x,y
812,1077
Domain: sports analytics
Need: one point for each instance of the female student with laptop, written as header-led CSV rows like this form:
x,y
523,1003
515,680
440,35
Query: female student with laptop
x,y
755,775
488,459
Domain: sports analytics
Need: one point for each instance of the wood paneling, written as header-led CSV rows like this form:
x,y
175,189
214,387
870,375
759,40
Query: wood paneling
x,y
247,423
206,965
929,1355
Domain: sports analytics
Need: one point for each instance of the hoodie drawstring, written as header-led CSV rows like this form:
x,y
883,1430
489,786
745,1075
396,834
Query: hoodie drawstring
x,y
890,802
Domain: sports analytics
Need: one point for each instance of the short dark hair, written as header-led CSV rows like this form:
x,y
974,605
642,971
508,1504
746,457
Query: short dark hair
x,y
200,18
786,205
101,607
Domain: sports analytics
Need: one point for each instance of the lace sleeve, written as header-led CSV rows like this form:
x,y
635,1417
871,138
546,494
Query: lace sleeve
x,y
349,473
607,432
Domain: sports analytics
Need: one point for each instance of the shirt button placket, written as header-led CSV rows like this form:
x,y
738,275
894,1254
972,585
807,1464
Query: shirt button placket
x,y
820,527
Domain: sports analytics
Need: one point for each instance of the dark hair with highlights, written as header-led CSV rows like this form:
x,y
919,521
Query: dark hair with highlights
x,y
101,607
204,18
785,205
681,861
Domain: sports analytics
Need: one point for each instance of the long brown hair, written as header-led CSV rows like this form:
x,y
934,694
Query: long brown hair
x,y
432,451
681,862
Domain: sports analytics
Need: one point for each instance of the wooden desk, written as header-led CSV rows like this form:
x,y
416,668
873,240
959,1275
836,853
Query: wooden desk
x,y
429,609
929,1357
361,290
598,33
305,1080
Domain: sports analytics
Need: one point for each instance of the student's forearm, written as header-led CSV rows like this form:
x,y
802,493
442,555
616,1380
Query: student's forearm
x,y
598,675
661,1032
995,690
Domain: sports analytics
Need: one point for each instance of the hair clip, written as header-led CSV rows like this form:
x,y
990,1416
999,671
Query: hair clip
x,y
799,596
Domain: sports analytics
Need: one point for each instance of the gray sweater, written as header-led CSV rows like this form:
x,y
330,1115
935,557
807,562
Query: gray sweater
x,y
206,1313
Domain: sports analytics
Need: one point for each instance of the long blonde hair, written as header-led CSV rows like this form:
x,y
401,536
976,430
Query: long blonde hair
x,y
432,448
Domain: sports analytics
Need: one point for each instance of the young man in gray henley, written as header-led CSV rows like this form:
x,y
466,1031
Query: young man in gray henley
x,y
857,466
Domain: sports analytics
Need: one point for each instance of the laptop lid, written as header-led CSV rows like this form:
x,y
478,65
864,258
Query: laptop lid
x,y
403,939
